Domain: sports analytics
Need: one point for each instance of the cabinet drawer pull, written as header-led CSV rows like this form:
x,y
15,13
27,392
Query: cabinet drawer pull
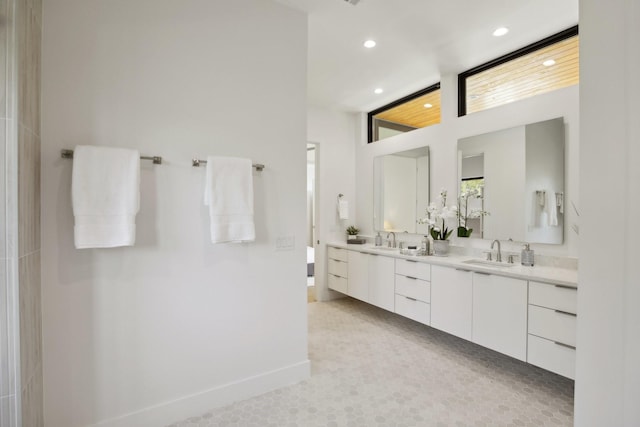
x,y
565,287
565,313
410,260
373,254
482,273
412,278
462,269
412,299
564,345
335,275
336,260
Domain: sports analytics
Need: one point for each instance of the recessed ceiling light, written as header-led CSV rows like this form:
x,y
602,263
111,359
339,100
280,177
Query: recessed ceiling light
x,y
549,63
369,44
378,91
428,105
500,31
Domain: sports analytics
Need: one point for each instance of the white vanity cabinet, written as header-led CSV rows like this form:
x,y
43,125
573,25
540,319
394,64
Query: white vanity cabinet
x,y
528,320
337,270
381,286
371,279
413,290
552,328
358,273
500,314
452,300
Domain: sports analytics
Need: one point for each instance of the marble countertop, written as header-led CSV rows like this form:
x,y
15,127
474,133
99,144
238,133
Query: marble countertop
x,y
544,274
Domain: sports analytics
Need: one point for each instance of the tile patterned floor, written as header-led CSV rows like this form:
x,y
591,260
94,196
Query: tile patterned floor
x,y
372,368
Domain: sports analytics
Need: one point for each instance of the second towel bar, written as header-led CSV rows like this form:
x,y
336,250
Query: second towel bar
x,y
197,162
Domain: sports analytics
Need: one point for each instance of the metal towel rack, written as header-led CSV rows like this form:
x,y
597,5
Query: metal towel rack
x,y
68,154
197,162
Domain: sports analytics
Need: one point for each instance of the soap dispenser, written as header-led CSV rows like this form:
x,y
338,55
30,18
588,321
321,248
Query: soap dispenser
x,y
425,246
378,239
527,256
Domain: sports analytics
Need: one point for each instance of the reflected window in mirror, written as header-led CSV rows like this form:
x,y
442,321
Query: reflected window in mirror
x,y
471,206
415,111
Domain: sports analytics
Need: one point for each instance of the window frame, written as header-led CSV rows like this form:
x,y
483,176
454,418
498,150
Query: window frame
x,y
371,134
548,41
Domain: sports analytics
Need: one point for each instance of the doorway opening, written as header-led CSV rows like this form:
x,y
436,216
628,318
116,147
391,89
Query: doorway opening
x,y
311,219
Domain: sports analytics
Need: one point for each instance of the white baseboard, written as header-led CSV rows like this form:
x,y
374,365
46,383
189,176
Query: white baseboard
x,y
199,403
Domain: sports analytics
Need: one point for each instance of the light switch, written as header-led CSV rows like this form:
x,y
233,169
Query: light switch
x,y
285,243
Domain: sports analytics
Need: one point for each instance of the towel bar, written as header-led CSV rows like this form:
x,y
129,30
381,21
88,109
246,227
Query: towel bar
x,y
197,162
68,154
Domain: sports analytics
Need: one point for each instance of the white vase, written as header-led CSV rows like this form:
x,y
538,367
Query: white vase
x,y
441,247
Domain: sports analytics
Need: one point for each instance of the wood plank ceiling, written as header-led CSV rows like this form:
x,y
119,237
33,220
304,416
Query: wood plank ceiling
x,y
414,113
520,78
525,76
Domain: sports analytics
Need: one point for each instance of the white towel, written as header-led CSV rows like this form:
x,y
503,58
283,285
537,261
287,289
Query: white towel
x,y
105,193
551,208
229,195
343,209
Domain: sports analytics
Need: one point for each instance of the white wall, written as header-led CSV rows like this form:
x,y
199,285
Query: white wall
x,y
174,325
607,371
442,141
472,167
334,133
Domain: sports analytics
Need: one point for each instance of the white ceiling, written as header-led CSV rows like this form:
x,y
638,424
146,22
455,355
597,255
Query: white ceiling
x,y
418,42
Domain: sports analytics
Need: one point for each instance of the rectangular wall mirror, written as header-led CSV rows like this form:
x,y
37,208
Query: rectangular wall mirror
x,y
517,176
401,191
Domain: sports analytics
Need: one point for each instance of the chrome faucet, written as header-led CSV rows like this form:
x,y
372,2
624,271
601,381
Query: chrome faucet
x,y
499,253
391,245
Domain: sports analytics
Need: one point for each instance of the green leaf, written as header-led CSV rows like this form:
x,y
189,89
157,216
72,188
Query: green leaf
x,y
434,234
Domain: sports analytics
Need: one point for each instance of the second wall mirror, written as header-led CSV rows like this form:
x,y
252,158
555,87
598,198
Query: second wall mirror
x,y
519,173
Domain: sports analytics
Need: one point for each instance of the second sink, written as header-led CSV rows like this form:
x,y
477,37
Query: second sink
x,y
486,263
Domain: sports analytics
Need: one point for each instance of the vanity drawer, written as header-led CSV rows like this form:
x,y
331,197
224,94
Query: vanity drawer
x,y
413,288
551,356
339,268
416,269
338,283
553,296
552,324
413,309
338,253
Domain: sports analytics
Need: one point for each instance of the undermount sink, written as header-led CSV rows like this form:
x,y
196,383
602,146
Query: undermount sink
x,y
485,263
384,248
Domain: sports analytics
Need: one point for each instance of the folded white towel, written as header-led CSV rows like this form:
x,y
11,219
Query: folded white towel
x,y
229,195
105,193
343,209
